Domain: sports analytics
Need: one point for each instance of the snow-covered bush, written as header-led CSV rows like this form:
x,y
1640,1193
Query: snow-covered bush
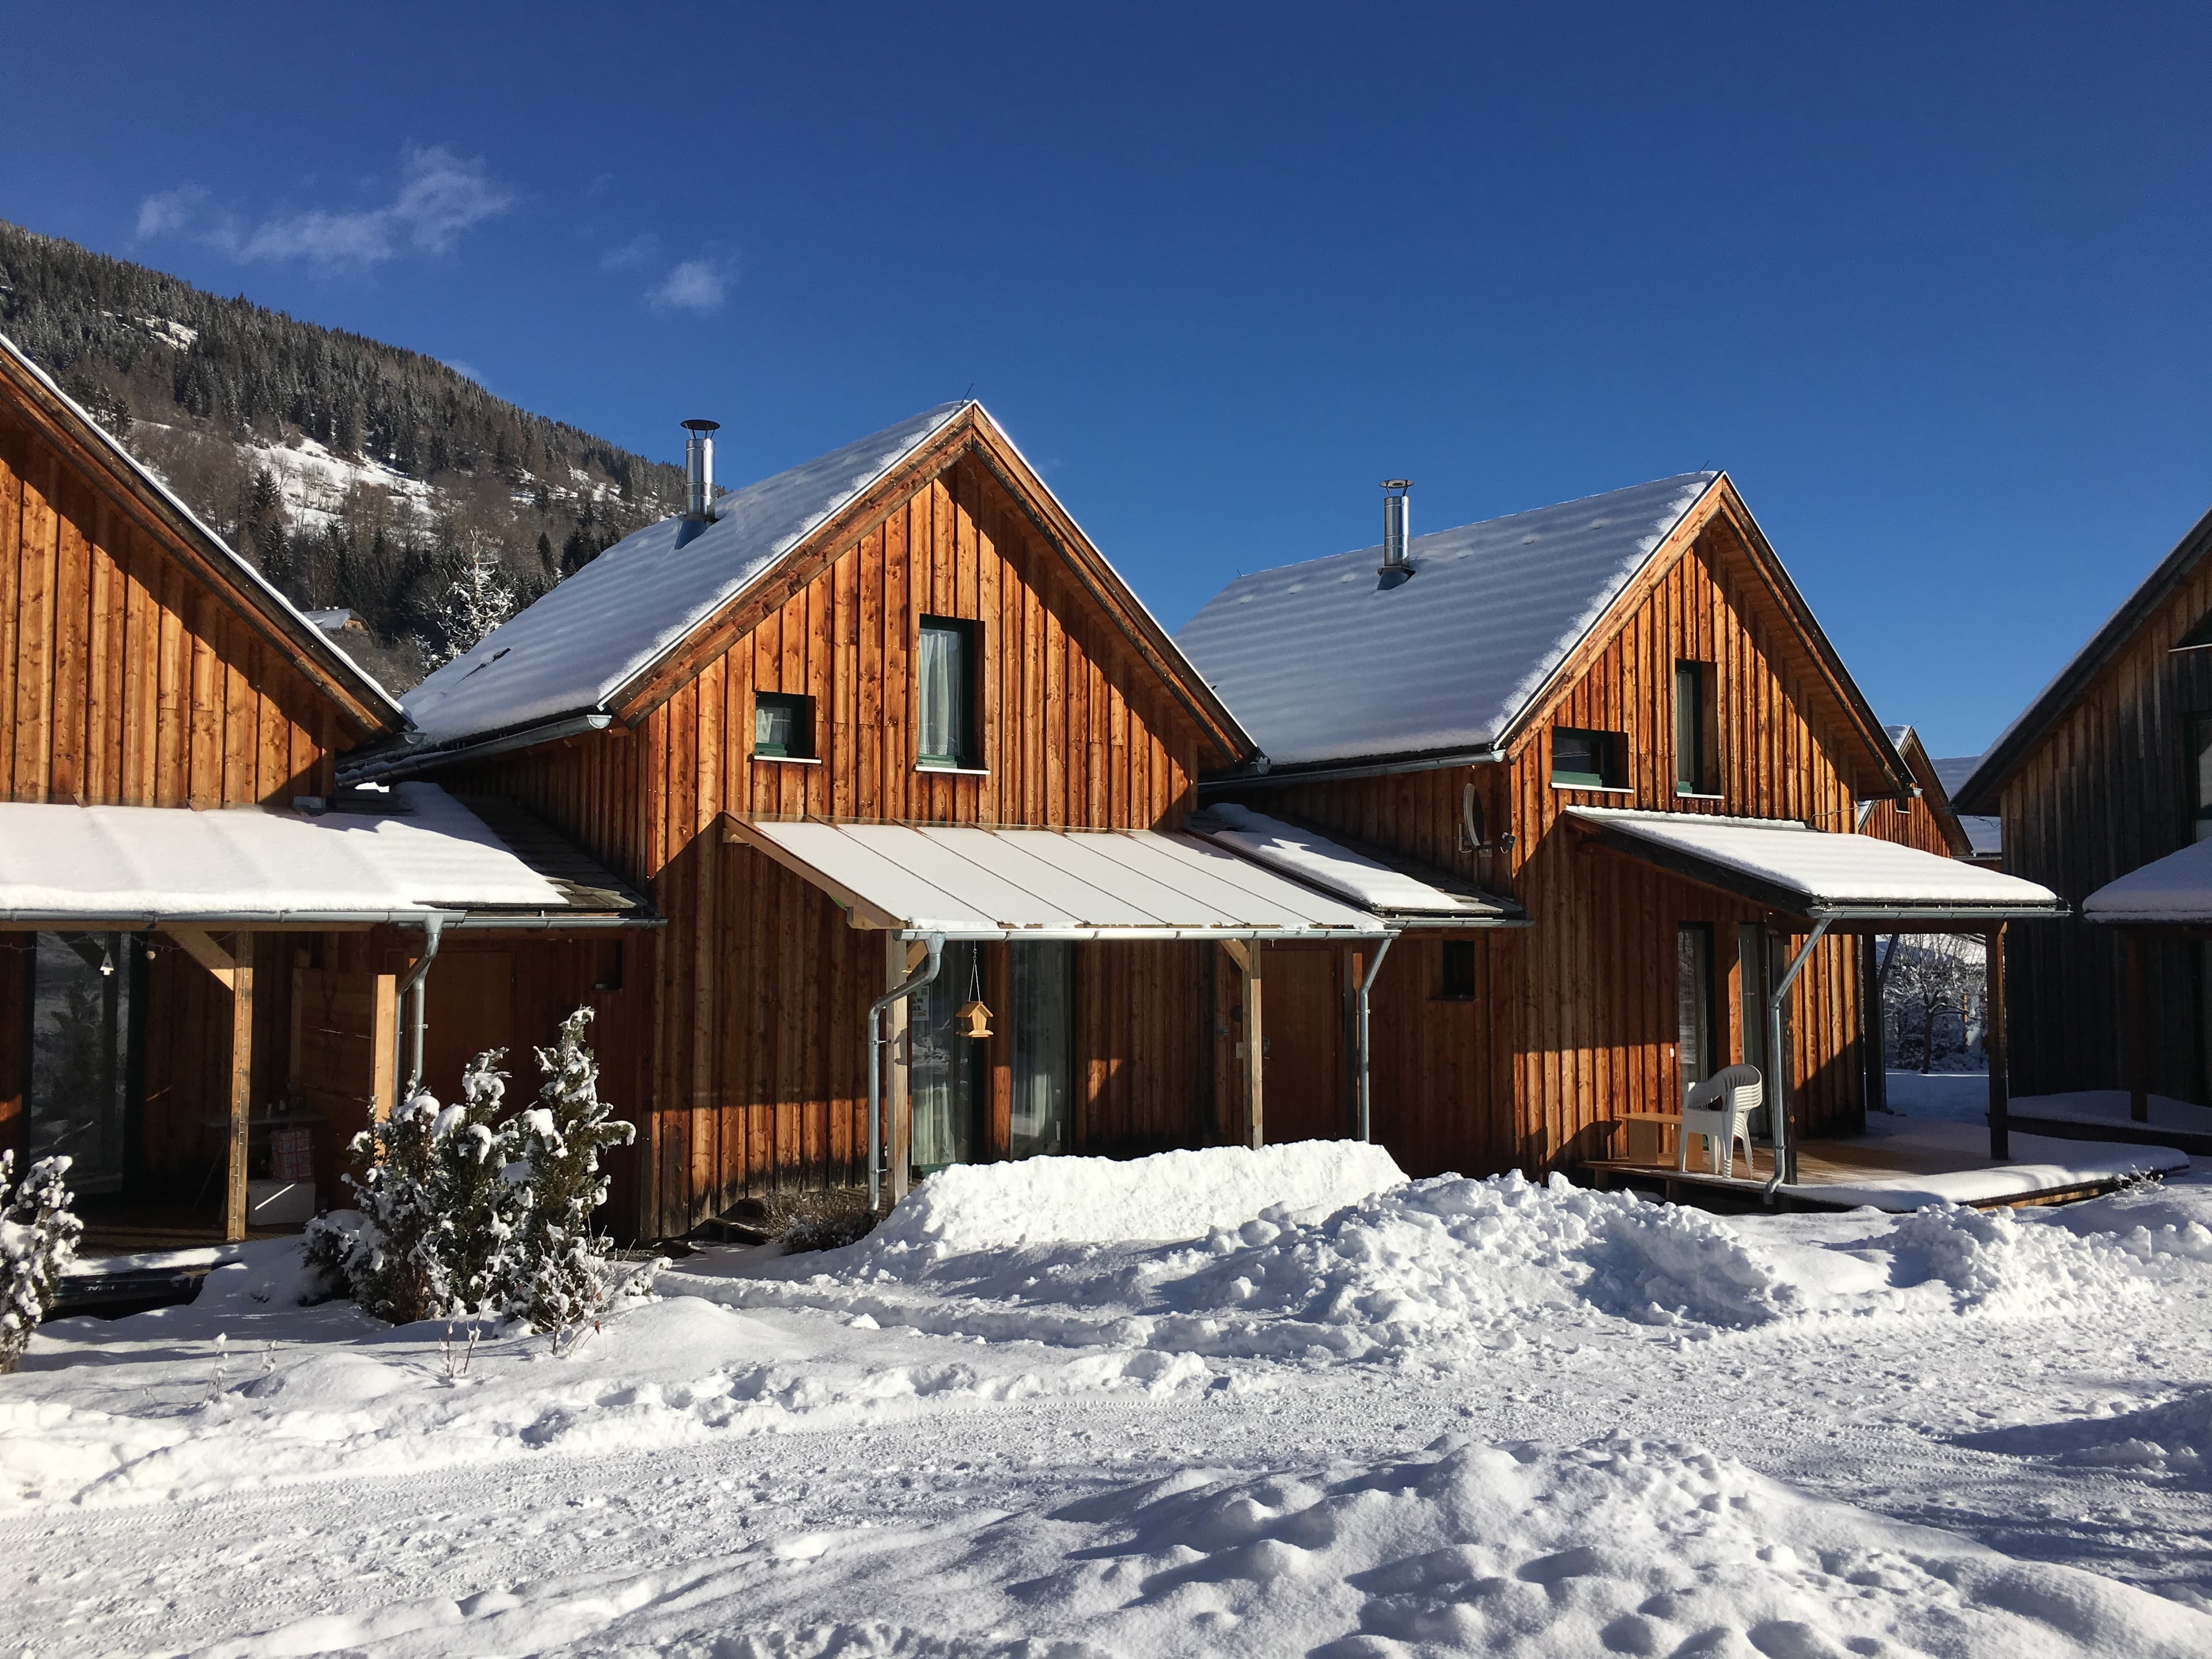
x,y
558,1265
436,1207
38,1237
463,1214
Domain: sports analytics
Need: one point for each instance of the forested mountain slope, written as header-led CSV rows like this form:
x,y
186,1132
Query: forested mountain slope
x,y
356,474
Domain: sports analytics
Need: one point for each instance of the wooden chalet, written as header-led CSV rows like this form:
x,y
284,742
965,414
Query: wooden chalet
x,y
201,938
1620,715
2104,778
906,768
1924,817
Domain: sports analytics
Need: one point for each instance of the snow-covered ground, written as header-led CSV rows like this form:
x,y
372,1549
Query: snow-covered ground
x,y
1419,1418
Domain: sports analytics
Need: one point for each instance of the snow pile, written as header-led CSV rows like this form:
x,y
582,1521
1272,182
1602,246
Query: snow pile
x,y
1618,1545
1992,1260
2172,1439
1169,1195
1450,1254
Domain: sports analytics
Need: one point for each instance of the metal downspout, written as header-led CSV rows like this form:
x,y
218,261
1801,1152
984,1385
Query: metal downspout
x,y
432,927
1777,1064
935,946
1367,984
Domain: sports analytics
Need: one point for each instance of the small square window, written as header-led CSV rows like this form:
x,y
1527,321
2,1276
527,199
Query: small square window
x,y
1584,760
1456,981
783,725
944,673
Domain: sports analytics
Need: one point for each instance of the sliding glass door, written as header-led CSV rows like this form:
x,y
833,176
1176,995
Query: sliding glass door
x,y
949,1069
1034,1038
78,1100
1043,1042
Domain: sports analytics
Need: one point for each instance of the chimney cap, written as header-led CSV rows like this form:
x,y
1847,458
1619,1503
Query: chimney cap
x,y
1397,484
702,426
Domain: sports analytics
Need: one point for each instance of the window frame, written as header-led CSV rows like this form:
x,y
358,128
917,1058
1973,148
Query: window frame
x,y
1695,772
1607,747
802,726
1449,985
966,756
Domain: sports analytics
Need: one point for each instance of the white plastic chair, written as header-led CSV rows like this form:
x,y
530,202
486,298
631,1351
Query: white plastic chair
x,y
1719,1107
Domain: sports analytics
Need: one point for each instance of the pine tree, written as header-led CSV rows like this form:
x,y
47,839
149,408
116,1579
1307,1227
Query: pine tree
x,y
561,1280
546,560
477,599
38,1237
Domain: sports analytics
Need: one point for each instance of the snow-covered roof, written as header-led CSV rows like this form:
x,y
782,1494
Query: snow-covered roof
x,y
579,646
967,883
1387,887
2175,889
247,866
1805,871
1321,662
313,639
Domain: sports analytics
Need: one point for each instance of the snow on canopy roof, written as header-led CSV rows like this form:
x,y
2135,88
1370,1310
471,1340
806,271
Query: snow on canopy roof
x,y
967,883
1804,871
250,863
575,648
2176,888
1321,662
1367,881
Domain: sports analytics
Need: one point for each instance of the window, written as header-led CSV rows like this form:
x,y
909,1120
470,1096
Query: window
x,y
1585,760
783,725
945,670
1043,1027
1693,713
1456,981
1693,1001
1755,960
2200,777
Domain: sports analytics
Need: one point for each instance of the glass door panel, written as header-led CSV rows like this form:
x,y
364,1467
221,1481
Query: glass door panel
x,y
1043,1021
947,1068
80,998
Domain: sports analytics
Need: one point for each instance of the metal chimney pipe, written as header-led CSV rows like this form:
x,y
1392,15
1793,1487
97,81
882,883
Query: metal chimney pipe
x,y
1395,522
699,470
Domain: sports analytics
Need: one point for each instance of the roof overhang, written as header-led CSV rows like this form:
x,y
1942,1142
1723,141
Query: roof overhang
x,y
1403,891
2174,891
968,882
1794,870
414,858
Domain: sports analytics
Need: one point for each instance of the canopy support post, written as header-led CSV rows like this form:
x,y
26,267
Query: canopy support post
x,y
898,994
1993,1048
1778,1061
1245,953
1367,984
236,973
2138,1030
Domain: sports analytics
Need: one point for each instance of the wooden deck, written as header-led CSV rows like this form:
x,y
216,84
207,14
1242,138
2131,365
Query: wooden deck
x,y
1900,1165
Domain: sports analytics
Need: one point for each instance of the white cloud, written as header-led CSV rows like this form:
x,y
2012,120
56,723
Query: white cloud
x,y
170,211
695,285
440,195
465,370
630,252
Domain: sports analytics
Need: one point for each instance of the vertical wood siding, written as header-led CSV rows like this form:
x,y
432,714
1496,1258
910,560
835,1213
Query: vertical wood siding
x,y
2106,791
1574,1018
760,989
123,679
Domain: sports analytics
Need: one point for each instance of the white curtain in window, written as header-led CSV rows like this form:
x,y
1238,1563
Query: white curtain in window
x,y
941,676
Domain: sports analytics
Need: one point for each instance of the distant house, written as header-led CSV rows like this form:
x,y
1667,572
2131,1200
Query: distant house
x,y
1985,831
337,621
1923,818
907,769
202,936
1617,718
2107,770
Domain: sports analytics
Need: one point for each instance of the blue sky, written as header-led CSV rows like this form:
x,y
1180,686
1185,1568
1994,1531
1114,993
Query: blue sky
x,y
1930,283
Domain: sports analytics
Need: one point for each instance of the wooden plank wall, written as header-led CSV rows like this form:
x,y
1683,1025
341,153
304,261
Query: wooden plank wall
x,y
755,1021
2107,790
122,679
1574,1021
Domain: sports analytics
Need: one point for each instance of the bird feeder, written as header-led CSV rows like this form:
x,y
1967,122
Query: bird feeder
x,y
974,1019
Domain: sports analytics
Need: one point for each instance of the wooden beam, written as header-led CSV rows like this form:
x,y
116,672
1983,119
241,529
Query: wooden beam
x,y
2137,1026
1256,1044
1993,1047
202,949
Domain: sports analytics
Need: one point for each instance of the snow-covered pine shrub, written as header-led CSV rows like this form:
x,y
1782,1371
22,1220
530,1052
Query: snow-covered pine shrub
x,y
559,1278
38,1237
437,1208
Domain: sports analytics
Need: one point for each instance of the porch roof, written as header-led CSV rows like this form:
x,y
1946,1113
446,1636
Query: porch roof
x,y
1799,870
401,855
965,882
2174,891
1378,879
